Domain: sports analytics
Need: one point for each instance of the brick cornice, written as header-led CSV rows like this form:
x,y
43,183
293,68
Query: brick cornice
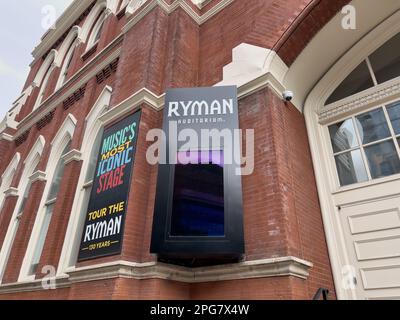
x,y
169,8
294,40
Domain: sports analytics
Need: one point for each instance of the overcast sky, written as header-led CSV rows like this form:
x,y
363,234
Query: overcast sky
x,y
22,24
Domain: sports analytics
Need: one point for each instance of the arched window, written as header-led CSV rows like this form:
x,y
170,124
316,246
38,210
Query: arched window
x,y
380,66
30,165
90,149
49,208
6,178
96,30
60,146
43,87
366,145
67,64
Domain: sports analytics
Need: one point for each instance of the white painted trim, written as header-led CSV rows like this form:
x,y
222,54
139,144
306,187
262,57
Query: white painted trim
x,y
30,163
6,136
96,28
109,5
201,3
7,178
142,96
51,59
73,35
71,42
253,68
38,176
11,192
60,140
320,145
380,94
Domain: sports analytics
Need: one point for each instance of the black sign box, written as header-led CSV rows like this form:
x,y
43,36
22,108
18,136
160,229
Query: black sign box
x,y
105,219
198,211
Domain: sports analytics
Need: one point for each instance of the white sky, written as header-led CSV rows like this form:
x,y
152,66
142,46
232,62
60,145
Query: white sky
x,y
21,27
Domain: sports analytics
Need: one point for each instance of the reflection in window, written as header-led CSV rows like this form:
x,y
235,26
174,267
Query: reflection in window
x,y
343,136
350,167
394,115
68,61
96,30
383,159
198,200
384,66
377,154
386,60
373,126
43,87
50,202
360,79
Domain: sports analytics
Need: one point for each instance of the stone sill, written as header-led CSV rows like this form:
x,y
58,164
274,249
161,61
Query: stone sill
x,y
275,267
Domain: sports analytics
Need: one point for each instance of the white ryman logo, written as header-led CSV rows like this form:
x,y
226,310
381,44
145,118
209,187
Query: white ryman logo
x,y
200,108
188,139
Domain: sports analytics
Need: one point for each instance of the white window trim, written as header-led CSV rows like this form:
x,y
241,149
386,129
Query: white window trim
x,y
96,28
30,163
60,140
68,48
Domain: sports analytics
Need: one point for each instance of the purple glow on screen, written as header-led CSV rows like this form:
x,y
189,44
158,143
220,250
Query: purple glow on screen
x,y
201,157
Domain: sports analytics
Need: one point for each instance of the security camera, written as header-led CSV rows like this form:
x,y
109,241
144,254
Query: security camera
x,y
287,95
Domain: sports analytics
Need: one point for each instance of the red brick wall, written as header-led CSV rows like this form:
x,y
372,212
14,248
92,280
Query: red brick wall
x,y
281,210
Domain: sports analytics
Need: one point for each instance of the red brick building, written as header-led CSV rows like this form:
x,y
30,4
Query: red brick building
x,y
108,58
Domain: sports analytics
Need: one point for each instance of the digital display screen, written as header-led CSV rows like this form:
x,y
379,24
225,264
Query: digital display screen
x,y
198,198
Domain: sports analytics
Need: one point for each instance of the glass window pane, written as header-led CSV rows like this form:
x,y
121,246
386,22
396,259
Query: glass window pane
x,y
372,126
93,158
383,159
198,201
394,115
98,34
360,79
386,60
25,198
343,136
42,238
58,174
350,167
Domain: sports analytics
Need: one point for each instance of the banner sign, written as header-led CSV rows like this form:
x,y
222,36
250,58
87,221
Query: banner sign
x,y
105,218
198,210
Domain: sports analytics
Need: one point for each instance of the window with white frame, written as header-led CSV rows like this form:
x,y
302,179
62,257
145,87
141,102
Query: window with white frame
x,y
67,63
380,66
49,204
96,30
24,187
43,87
366,146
